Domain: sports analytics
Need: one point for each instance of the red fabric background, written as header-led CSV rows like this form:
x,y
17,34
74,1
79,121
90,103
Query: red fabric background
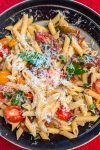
x,y
93,145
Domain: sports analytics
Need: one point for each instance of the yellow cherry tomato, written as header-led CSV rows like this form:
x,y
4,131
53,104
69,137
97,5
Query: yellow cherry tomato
x,y
3,76
20,80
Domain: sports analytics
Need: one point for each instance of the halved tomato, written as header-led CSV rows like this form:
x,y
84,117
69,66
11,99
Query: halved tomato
x,y
97,61
6,49
29,95
97,85
41,36
1,55
3,76
63,114
72,79
14,114
2,98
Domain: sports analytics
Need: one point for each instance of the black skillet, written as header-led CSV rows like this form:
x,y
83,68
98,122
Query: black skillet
x,y
87,20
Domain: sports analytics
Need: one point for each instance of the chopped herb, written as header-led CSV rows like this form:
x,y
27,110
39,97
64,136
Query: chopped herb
x,y
37,137
35,58
85,59
63,58
16,100
86,85
92,107
74,69
8,96
70,37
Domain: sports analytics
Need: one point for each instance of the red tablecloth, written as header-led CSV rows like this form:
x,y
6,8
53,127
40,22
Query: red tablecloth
x,y
93,145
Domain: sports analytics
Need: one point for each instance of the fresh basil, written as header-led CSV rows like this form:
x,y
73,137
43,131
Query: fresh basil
x,y
74,69
34,58
70,37
63,58
16,100
92,108
8,96
86,85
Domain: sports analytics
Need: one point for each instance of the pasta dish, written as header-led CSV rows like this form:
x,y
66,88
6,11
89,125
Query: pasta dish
x,y
49,78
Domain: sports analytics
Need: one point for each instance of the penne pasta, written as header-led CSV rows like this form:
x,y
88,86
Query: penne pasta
x,y
67,134
51,28
1,113
87,118
93,94
44,135
53,130
75,128
19,132
56,19
24,24
66,45
31,128
77,47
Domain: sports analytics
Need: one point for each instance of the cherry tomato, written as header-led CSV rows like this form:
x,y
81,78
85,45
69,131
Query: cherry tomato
x,y
4,41
29,96
41,36
97,85
63,114
2,98
63,74
14,114
97,61
1,55
3,76
72,79
6,49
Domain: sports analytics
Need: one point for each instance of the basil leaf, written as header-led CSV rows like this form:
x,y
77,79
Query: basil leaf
x,y
16,100
70,37
8,96
63,58
34,58
85,59
92,107
74,69
86,85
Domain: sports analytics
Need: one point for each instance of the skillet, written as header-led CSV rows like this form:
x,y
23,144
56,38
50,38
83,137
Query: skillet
x,y
78,15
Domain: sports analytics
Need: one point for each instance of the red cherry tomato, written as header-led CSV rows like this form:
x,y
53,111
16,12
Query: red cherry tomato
x,y
97,85
63,114
72,79
2,98
29,96
6,49
1,55
14,114
63,74
97,61
41,36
